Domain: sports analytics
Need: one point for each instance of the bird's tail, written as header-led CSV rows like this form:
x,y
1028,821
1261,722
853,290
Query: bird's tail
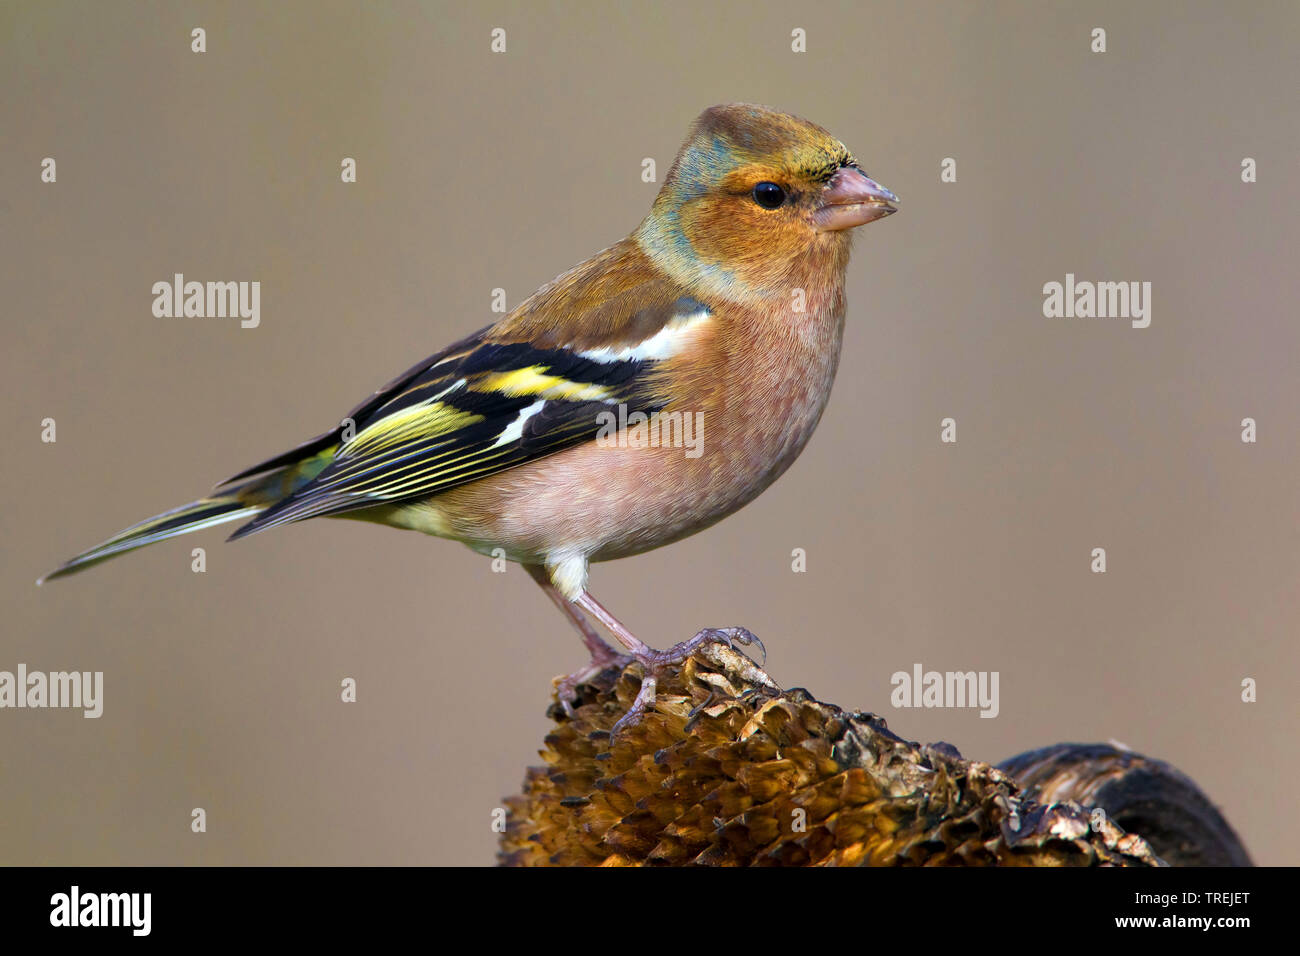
x,y
230,504
194,516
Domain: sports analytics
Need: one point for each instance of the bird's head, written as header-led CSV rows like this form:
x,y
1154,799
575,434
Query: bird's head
x,y
752,193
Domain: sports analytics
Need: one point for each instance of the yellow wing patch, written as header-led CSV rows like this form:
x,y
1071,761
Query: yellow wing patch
x,y
419,421
534,380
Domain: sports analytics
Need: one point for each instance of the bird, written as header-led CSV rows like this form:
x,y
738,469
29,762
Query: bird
x,y
558,436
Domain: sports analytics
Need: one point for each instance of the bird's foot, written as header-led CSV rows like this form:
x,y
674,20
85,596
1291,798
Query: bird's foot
x,y
729,636
656,662
566,688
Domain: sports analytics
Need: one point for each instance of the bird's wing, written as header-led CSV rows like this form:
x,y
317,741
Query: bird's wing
x,y
490,403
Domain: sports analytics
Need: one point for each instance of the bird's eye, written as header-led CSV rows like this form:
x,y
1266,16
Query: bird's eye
x,y
769,195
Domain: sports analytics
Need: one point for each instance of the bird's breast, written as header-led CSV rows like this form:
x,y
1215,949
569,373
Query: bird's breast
x,y
745,415
742,410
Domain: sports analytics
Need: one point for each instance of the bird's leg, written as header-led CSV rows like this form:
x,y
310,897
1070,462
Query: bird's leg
x,y
655,662
602,655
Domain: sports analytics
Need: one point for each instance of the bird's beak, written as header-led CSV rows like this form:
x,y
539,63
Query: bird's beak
x,y
851,199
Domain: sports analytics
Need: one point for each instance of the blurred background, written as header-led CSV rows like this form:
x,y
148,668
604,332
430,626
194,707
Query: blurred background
x,y
478,170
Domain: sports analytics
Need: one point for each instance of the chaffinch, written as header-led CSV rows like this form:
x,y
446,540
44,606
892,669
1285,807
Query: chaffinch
x,y
637,399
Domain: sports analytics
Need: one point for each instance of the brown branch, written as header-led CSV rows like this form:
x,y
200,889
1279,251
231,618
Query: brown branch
x,y
730,770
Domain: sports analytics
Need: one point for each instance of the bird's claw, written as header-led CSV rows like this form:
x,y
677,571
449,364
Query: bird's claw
x,y
566,688
730,636
655,662
645,697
